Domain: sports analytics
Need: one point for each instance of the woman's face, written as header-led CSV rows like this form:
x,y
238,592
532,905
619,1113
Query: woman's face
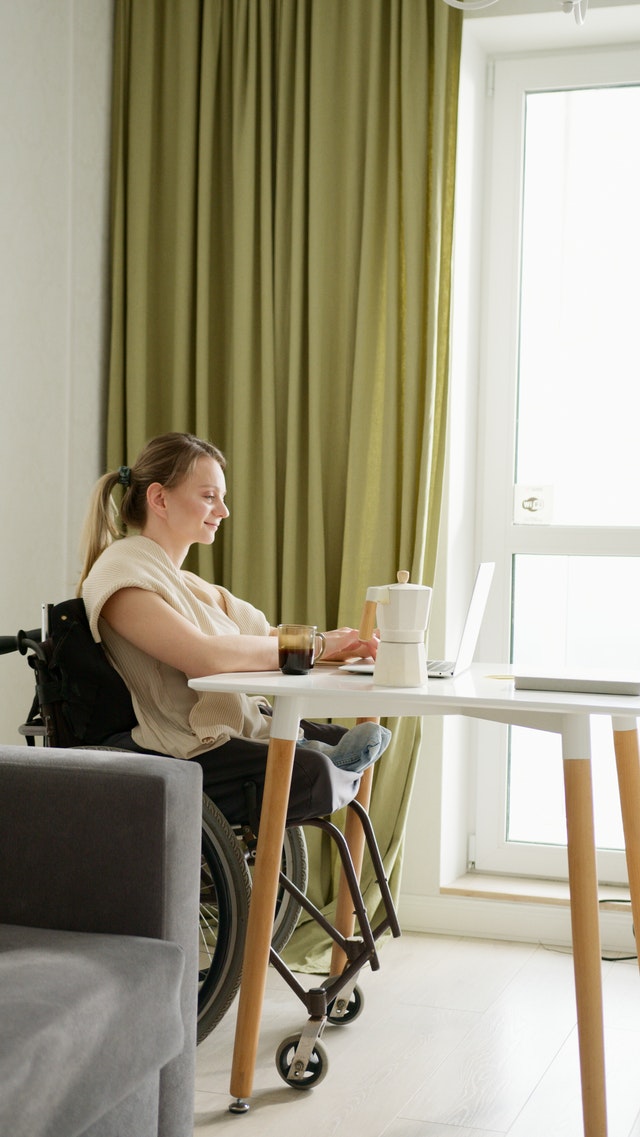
x,y
195,508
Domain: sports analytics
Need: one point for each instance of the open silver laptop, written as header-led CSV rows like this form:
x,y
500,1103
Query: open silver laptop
x,y
445,669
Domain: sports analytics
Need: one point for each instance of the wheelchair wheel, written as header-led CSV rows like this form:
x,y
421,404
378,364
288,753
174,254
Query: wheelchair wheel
x,y
294,865
295,868
225,889
292,1072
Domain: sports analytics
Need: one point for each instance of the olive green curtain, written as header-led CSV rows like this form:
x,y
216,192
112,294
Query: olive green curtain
x,y
282,205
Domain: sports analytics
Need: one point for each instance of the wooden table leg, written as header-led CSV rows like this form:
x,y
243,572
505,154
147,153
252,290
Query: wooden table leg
x,y
260,923
354,836
625,741
585,926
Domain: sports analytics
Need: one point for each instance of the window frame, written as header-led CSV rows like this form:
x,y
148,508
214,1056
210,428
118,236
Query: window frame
x,y
509,79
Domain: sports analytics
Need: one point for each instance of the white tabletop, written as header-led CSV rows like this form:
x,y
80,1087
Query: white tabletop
x,y
327,690
484,691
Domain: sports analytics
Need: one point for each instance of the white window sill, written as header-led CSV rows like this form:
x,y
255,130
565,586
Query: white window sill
x,y
529,889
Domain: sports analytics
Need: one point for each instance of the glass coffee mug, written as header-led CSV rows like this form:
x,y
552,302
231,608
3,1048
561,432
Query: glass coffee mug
x,y
296,648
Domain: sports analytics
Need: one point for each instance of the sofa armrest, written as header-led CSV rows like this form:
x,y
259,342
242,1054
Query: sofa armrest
x,y
101,841
96,841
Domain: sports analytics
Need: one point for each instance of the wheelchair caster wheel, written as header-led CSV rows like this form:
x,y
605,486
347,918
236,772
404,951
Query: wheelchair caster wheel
x,y
340,1014
292,1072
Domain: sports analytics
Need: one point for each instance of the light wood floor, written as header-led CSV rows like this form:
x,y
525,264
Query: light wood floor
x,y
457,1038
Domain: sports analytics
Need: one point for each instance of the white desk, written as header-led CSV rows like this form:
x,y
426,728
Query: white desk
x,y
327,692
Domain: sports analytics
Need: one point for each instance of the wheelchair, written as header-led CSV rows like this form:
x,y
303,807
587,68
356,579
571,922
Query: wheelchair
x,y
81,701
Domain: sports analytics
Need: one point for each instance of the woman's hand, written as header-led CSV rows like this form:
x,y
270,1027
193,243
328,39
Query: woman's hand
x,y
345,643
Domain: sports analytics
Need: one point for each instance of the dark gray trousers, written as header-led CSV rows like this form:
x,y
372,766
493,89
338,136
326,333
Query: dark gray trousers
x,y
234,773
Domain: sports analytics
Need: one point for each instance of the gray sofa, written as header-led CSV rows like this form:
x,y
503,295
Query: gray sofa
x,y
99,888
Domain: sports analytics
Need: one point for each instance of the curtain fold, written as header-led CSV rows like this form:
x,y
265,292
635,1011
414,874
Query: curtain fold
x,y
282,207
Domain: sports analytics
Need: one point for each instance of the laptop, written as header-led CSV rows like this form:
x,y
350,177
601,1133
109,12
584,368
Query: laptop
x,y
446,669
591,681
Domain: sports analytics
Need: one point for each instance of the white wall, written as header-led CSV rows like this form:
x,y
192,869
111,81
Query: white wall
x,y
55,61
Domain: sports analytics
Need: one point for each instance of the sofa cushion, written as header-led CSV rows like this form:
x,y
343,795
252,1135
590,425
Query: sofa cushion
x,y
85,1018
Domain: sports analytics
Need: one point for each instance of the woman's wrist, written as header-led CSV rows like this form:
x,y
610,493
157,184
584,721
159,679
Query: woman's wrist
x,y
319,652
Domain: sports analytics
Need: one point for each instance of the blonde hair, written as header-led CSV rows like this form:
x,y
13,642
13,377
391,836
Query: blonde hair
x,y
167,459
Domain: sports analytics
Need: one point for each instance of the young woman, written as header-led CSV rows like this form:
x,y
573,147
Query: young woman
x,y
162,625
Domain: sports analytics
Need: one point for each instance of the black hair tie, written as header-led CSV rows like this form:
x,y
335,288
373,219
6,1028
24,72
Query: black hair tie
x,y
124,476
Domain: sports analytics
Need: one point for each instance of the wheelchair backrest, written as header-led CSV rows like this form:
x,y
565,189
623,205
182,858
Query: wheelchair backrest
x,y
80,698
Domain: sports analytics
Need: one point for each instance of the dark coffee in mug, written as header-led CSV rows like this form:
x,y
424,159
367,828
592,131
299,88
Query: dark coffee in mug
x,y
296,648
295,660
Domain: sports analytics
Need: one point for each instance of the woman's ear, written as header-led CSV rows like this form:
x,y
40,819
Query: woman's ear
x,y
156,499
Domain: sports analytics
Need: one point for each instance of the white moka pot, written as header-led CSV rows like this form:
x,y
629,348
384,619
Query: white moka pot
x,y
402,612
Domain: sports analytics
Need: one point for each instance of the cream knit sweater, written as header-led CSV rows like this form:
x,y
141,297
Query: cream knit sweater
x,y
173,719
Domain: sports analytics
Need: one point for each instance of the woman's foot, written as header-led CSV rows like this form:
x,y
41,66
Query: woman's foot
x,y
358,748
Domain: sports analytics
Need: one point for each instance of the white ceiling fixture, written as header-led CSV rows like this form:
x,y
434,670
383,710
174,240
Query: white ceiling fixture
x,y
578,7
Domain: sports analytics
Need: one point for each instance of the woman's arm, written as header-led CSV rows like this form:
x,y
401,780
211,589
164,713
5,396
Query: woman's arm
x,y
147,621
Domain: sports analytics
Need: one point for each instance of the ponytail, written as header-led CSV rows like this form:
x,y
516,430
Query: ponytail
x,y
101,526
